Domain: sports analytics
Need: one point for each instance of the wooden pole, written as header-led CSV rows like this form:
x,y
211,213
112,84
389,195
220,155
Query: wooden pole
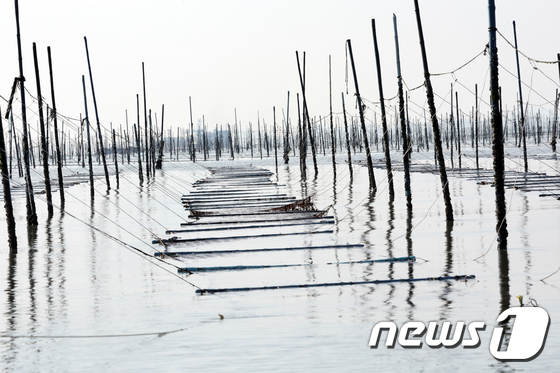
x,y
193,154
333,144
116,159
31,212
383,114
11,223
435,125
522,118
405,140
372,184
347,138
44,149
56,141
159,163
458,127
306,113
146,137
476,123
137,136
275,145
90,160
287,139
97,120
497,132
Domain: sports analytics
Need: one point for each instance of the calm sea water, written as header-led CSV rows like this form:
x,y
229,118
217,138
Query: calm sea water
x,y
74,299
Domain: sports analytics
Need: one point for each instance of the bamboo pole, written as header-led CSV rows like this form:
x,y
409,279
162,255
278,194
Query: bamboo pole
x,y
193,154
146,137
435,125
333,144
11,223
306,113
137,136
383,114
56,141
97,120
521,111
275,138
287,139
90,161
116,159
159,163
372,184
44,149
31,212
347,138
497,131
405,139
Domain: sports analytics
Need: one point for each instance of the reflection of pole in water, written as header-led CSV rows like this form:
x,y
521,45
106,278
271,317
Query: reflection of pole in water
x,y
391,275
11,314
525,241
32,242
505,296
409,252
447,288
334,203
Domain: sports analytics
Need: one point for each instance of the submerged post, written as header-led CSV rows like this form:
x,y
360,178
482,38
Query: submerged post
x,y
90,161
497,132
347,138
405,141
159,163
116,159
29,197
12,238
435,126
383,114
372,184
56,141
97,120
44,149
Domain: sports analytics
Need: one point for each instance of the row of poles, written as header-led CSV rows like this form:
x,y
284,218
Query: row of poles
x,y
150,145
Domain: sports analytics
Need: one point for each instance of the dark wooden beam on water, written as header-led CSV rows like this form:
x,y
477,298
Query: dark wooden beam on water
x,y
325,222
196,223
238,251
330,284
406,259
186,240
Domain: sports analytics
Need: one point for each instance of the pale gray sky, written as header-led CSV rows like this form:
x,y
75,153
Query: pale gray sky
x,y
241,54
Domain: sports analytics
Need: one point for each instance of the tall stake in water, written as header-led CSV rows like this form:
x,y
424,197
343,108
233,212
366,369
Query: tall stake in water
x,y
383,114
372,184
435,125
44,149
333,144
287,139
90,161
56,141
97,120
347,138
12,238
497,132
406,144
29,197
522,115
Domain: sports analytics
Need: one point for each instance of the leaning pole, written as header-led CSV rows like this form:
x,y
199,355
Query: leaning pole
x,y
497,132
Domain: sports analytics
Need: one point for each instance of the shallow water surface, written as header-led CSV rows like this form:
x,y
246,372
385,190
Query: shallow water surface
x,y
75,299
